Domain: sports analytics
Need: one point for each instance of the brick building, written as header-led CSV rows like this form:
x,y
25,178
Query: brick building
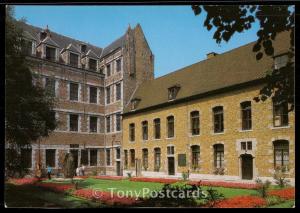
x,y
203,120
91,86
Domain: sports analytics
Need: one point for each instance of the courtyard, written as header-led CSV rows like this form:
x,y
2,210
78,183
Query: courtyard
x,y
111,191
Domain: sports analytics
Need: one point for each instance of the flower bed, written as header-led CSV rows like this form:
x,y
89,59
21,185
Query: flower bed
x,y
201,183
242,202
286,194
154,180
56,187
105,197
105,177
225,184
23,181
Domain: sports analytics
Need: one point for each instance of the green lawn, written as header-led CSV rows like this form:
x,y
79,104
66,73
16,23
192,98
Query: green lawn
x,y
286,204
30,196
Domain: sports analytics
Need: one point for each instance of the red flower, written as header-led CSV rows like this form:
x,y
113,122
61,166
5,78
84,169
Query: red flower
x,y
201,183
286,194
23,181
55,187
242,202
105,177
105,197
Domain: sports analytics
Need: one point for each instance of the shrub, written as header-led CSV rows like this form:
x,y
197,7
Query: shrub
x,y
262,187
69,166
280,179
213,196
273,200
94,172
129,174
185,176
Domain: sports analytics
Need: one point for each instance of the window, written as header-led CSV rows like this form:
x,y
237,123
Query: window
x,y
131,132
93,95
108,95
74,91
50,86
157,128
73,122
145,130
73,60
50,157
101,70
245,146
84,159
125,159
157,159
134,103
195,123
27,48
50,53
118,63
170,123
170,150
145,158
108,70
93,157
281,154
132,157
281,61
218,119
118,153
195,156
172,92
280,114
93,124
118,91
26,156
118,121
108,124
219,155
246,115
93,64
108,160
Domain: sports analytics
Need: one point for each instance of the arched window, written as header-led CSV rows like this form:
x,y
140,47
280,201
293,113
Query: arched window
x,y
157,128
132,157
218,155
281,154
195,123
246,115
157,157
170,126
145,130
195,149
218,119
145,158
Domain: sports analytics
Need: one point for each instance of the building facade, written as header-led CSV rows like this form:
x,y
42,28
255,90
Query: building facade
x,y
91,86
203,121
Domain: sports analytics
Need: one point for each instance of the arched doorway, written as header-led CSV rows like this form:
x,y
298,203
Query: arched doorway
x,y
247,166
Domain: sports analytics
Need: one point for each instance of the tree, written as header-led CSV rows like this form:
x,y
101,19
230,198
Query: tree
x,y
29,108
229,20
69,166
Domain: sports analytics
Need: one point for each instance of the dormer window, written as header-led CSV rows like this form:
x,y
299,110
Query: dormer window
x,y
73,59
83,48
50,53
93,64
172,92
281,61
134,103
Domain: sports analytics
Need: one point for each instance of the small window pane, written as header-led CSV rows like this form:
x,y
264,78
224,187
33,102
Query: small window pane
x,y
93,94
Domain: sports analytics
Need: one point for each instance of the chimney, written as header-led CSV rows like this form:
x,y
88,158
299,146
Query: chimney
x,y
45,33
211,55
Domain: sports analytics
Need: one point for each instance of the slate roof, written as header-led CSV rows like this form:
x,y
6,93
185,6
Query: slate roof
x,y
50,41
91,54
72,48
113,46
62,41
230,68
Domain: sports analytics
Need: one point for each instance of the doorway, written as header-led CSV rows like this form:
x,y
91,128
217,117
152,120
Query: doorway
x,y
247,166
171,166
74,153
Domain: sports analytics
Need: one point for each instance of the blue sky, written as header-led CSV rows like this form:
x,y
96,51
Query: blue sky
x,y
175,35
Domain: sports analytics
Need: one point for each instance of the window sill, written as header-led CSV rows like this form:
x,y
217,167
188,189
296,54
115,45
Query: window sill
x,y
192,136
157,139
145,141
246,130
218,133
131,141
170,138
280,127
